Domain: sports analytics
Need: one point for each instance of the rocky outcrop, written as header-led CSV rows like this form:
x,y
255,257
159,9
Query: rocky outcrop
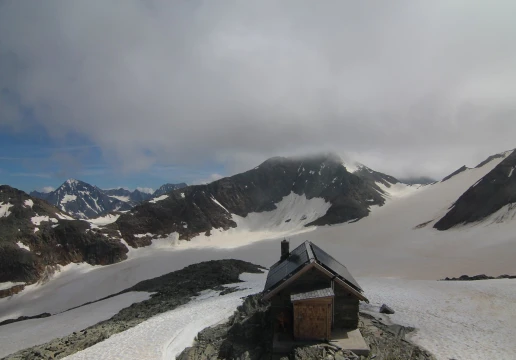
x,y
247,335
479,277
170,291
198,209
456,172
23,318
11,291
386,309
494,191
166,188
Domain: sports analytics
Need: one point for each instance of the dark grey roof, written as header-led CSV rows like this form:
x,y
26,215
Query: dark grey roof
x,y
282,270
305,254
312,294
327,261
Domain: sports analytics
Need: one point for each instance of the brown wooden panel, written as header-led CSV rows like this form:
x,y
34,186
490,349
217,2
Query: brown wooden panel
x,y
312,320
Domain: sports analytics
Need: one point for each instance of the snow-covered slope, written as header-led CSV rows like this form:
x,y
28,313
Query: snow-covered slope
x,y
491,193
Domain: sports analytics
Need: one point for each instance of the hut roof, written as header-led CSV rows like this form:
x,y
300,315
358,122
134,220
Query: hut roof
x,y
304,255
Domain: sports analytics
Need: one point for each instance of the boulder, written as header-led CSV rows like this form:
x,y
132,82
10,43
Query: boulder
x,y
385,309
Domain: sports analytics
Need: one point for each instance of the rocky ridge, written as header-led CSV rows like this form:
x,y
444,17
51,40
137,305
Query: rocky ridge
x,y
490,194
36,237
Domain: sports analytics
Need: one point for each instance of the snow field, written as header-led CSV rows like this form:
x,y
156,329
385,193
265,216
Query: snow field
x,y
460,320
164,336
24,334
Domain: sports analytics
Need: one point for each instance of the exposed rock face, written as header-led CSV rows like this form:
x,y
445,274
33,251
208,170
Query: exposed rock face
x,y
11,291
198,209
82,200
490,194
456,172
386,309
479,277
35,236
374,176
166,188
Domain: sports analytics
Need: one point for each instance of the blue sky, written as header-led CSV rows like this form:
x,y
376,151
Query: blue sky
x,y
31,160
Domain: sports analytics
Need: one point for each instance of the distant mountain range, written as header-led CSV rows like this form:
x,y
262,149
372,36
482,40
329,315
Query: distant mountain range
x,y
85,201
277,196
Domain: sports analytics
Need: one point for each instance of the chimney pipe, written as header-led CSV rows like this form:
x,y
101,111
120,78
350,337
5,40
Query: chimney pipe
x,y
285,251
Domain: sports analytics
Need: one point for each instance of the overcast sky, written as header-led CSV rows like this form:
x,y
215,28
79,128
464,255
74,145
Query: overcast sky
x,y
215,87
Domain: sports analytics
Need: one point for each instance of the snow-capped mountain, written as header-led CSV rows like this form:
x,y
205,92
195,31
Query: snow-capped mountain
x,y
36,236
285,196
132,198
193,210
83,200
166,188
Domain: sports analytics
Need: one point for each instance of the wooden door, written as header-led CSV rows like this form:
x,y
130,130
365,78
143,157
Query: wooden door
x,y
311,320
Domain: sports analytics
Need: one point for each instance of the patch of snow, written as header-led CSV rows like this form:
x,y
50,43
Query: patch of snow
x,y
266,225
36,229
219,204
397,190
165,335
185,225
39,331
29,203
510,172
54,226
71,182
104,220
96,204
68,198
22,246
183,195
37,220
143,235
352,167
64,216
121,198
159,198
4,209
8,285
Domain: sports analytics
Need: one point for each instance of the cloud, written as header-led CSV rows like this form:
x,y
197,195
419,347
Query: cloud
x,y
211,178
48,189
409,87
146,190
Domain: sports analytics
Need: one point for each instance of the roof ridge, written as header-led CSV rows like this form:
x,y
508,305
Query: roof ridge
x,y
311,255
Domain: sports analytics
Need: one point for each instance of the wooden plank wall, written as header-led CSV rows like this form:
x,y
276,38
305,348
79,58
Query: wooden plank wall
x,y
346,309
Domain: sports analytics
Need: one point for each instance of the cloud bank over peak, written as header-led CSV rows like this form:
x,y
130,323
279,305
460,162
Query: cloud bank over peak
x,y
409,87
